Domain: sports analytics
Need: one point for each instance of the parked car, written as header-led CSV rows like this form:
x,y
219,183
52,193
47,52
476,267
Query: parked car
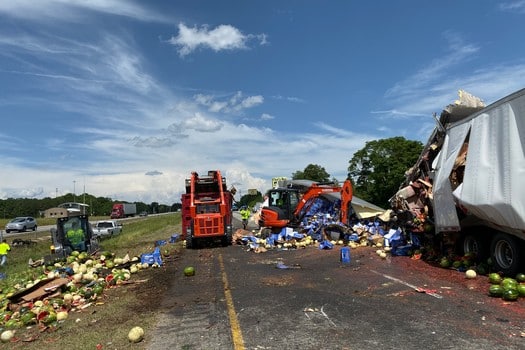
x,y
21,224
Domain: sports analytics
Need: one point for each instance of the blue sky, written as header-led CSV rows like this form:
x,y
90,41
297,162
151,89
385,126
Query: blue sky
x,y
123,99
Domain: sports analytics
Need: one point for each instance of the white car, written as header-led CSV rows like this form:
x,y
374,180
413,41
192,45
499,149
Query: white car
x,y
21,224
107,228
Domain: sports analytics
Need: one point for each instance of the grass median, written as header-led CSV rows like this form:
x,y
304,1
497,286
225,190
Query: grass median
x,y
106,322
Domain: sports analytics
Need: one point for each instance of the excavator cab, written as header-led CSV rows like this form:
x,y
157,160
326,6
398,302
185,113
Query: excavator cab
x,y
282,203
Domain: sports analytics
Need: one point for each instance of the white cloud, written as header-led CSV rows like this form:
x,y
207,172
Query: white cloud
x,y
73,10
235,104
222,38
458,52
511,6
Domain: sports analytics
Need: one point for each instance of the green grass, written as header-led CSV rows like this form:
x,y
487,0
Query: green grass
x,y
117,311
138,236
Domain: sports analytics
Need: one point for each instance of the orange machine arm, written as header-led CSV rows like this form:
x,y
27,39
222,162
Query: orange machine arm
x,y
346,200
314,191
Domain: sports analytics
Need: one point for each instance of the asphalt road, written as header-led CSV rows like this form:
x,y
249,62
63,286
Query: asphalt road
x,y
307,299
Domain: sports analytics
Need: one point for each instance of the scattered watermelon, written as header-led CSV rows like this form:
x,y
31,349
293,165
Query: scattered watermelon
x,y
510,294
495,278
444,263
509,283
521,290
520,277
495,290
189,271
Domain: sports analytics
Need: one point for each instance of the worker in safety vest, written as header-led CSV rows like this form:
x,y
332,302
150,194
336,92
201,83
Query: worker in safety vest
x,y
4,248
75,235
245,215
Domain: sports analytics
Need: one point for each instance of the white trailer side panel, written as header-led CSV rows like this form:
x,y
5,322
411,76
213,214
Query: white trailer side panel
x,y
493,188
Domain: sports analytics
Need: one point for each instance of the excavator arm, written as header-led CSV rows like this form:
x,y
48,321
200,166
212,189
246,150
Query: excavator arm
x,y
275,217
317,190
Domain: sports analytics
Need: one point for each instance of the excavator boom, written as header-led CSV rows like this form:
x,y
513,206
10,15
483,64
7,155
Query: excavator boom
x,y
287,206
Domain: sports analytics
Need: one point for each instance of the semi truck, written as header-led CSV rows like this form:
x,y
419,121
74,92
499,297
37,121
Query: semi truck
x,y
466,189
206,209
123,210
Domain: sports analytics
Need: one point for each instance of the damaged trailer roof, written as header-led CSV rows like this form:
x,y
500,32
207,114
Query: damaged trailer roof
x,y
362,208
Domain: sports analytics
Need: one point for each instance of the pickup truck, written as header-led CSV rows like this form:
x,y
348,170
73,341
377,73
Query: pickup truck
x,y
107,228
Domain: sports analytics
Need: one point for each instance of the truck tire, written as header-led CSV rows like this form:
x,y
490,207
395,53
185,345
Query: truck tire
x,y
226,240
505,251
190,242
475,244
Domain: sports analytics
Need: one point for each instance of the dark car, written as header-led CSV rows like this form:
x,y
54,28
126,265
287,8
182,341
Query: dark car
x,y
21,224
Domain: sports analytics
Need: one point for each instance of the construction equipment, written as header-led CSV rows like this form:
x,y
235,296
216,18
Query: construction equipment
x,y
288,205
206,209
62,246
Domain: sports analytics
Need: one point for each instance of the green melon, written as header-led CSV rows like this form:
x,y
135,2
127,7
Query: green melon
x,y
457,264
509,283
98,289
28,318
189,271
520,277
444,263
495,278
521,290
495,290
511,295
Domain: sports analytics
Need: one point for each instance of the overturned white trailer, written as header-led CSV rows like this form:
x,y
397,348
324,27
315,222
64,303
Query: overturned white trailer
x,y
469,182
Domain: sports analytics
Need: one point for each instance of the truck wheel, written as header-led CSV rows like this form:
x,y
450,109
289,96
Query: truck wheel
x,y
505,252
226,240
476,245
189,241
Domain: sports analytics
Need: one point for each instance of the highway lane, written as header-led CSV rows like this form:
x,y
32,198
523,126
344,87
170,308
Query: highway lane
x,y
307,299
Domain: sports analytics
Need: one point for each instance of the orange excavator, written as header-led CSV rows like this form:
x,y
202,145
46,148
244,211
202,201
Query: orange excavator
x,y
288,205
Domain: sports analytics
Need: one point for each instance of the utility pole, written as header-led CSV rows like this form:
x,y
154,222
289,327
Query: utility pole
x,y
74,191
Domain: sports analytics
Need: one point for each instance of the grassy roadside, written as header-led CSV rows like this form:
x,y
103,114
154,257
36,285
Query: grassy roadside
x,y
106,322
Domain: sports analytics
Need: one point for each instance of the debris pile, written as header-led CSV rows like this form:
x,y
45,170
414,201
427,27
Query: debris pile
x,y
322,231
46,295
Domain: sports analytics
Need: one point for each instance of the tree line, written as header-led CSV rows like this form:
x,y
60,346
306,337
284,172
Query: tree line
x,y
98,206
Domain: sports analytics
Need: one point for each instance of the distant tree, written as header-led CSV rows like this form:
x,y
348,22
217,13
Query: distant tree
x,y
250,199
378,169
154,207
312,172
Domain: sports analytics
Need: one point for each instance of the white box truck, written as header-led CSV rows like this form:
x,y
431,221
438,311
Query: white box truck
x,y
469,183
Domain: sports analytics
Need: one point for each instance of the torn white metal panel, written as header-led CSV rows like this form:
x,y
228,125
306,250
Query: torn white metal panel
x,y
445,214
493,187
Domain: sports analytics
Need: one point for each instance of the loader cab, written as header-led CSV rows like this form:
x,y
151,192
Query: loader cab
x,y
64,245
